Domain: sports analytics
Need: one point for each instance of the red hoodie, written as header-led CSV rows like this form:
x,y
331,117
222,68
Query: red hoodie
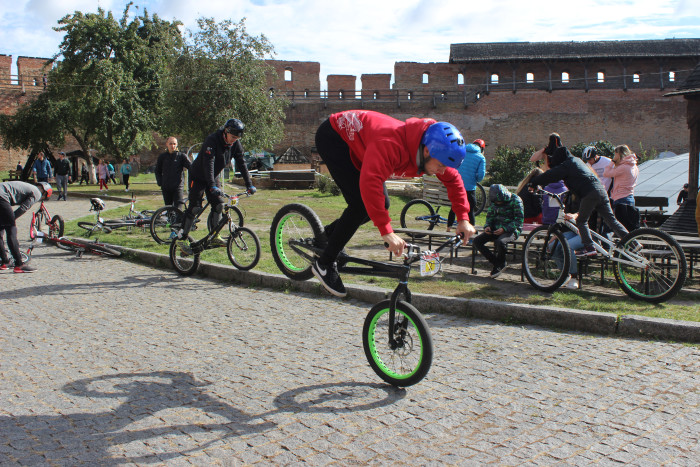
x,y
381,146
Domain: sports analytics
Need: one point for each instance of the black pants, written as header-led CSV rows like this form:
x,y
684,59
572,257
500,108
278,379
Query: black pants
x,y
174,197
7,225
500,243
471,197
126,180
336,155
216,203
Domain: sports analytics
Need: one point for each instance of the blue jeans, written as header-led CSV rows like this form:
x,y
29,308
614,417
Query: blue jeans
x,y
575,243
628,200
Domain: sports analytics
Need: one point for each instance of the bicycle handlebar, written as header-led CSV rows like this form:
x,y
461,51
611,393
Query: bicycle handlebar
x,y
414,250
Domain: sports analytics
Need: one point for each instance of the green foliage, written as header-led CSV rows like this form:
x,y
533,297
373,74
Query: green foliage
x,y
221,74
327,185
604,148
510,165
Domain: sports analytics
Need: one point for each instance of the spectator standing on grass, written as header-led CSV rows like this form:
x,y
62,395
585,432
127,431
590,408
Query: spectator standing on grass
x,y
504,221
472,171
112,172
103,174
170,174
41,168
126,174
84,175
62,176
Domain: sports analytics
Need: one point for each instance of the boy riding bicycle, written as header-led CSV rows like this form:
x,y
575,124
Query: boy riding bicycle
x,y
362,149
216,153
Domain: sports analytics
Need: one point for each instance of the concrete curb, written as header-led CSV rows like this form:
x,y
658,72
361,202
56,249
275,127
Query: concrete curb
x,y
559,318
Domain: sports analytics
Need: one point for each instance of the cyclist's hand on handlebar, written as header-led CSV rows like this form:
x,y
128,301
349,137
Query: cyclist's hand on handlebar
x,y
251,190
394,243
465,230
215,190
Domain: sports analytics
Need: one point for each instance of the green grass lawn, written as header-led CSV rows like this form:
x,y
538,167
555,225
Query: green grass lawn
x,y
261,208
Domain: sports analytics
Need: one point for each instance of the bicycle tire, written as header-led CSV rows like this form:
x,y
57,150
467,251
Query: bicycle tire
x,y
410,360
164,222
665,266
63,244
56,227
243,249
91,227
480,196
37,222
236,218
294,222
540,262
97,248
418,214
22,254
185,265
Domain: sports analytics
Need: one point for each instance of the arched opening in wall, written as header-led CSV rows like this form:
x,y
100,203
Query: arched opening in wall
x,y
36,82
375,95
306,93
635,78
460,78
443,95
601,76
494,78
409,95
671,76
271,93
341,94
288,74
564,77
530,78
426,78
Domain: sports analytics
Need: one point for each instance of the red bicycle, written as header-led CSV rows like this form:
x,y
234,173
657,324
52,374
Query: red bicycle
x,y
41,219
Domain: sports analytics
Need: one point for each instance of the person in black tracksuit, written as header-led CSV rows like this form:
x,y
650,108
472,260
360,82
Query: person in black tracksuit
x,y
584,183
170,169
216,153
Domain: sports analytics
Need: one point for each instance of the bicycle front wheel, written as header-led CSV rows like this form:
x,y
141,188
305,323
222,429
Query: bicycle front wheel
x,y
406,359
98,248
480,196
236,218
418,214
294,223
652,267
164,222
90,228
39,221
546,259
183,263
243,249
56,227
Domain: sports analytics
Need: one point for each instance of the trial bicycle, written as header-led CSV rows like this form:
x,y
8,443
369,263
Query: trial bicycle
x,y
242,246
133,218
419,214
395,337
78,246
42,221
648,263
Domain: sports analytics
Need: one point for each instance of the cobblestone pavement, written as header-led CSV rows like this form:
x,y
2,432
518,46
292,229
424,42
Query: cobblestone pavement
x,y
106,362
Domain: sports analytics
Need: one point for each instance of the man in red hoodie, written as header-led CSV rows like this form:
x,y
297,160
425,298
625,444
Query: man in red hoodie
x,y
362,149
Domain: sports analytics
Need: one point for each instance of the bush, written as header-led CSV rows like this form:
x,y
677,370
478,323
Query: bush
x,y
510,165
327,185
604,148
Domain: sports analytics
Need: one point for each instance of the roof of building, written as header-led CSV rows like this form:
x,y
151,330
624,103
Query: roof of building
x,y
662,178
495,51
690,86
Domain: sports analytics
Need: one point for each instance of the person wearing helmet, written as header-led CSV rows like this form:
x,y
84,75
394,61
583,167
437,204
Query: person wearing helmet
x,y
23,195
217,152
361,150
481,143
598,163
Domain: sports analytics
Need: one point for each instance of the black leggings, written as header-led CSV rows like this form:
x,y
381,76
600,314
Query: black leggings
x,y
471,197
7,225
336,155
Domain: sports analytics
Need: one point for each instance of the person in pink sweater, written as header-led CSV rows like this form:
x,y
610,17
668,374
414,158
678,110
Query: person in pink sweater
x,y
624,172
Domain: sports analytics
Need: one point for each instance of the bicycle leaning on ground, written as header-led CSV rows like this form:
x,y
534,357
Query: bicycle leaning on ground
x,y
76,245
648,263
419,214
395,337
242,246
132,219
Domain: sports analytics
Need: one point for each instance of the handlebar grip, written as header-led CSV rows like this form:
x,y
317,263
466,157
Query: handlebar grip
x,y
386,245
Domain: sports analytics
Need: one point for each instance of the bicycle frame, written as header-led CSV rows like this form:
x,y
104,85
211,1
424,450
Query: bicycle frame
x,y
226,219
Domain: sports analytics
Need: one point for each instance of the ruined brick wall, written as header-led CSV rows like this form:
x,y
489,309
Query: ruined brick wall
x,y
295,76
341,87
376,86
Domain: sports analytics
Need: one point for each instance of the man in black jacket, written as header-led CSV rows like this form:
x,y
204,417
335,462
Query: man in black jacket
x,y
216,153
62,172
170,169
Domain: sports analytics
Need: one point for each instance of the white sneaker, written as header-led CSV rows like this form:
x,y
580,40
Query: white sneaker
x,y
572,284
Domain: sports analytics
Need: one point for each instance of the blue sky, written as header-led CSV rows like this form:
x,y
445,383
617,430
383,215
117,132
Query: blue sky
x,y
368,36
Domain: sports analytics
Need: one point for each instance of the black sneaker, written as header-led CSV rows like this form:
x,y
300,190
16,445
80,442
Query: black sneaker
x,y
328,275
586,251
498,270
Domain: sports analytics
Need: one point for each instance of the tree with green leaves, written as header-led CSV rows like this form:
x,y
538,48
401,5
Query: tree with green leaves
x,y
221,74
510,165
106,90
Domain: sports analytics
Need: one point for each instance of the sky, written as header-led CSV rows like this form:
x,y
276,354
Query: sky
x,y
368,36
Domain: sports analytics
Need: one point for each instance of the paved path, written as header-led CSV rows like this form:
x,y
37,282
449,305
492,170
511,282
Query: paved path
x,y
108,362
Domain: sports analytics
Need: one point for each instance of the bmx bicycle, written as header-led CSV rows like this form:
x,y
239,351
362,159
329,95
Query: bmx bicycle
x,y
420,214
242,246
648,263
40,218
395,337
167,221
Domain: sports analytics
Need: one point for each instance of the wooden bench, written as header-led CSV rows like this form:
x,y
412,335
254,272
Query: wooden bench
x,y
13,176
293,178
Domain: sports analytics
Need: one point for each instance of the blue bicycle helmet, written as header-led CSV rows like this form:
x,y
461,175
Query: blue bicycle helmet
x,y
445,143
